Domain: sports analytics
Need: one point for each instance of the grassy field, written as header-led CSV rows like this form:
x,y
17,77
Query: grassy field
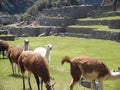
x,y
107,51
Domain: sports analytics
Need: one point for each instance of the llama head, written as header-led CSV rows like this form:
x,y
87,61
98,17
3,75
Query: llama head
x,y
26,41
49,86
48,46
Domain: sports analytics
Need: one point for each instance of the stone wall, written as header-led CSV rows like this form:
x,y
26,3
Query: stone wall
x,y
33,31
114,24
78,11
92,22
7,38
55,21
69,11
6,19
92,33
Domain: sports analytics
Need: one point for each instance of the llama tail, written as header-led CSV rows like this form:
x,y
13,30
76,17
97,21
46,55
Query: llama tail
x,y
66,59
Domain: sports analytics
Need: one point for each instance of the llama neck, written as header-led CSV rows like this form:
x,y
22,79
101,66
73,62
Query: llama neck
x,y
114,75
26,47
46,77
47,54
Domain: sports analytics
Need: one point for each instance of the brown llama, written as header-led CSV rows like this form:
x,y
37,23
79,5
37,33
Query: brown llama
x,y
14,53
90,69
36,64
3,47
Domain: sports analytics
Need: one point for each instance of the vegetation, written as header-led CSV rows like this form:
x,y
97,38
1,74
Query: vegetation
x,y
15,6
106,50
20,6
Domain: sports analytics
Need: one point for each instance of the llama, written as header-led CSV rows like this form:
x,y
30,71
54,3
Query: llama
x,y
45,52
3,47
36,64
91,69
14,53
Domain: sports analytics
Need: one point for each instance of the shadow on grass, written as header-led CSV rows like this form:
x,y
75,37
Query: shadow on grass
x,y
3,58
15,75
26,89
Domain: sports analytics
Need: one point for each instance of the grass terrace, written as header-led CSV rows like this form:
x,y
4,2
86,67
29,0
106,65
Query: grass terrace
x,y
103,18
96,27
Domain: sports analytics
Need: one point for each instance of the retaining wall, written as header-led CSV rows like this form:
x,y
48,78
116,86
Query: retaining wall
x,y
92,33
30,31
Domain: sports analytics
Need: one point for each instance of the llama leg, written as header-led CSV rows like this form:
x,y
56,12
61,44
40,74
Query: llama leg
x,y
29,80
13,68
23,74
72,84
23,82
41,84
76,74
93,85
3,54
18,69
37,80
100,85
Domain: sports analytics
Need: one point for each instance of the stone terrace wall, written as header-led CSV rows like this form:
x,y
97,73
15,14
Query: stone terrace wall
x,y
32,31
59,21
92,33
77,11
69,11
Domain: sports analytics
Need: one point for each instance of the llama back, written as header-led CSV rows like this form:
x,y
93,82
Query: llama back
x,y
14,53
34,63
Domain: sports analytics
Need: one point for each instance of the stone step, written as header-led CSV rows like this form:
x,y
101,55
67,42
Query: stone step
x,y
3,32
92,33
111,13
54,21
97,35
96,22
8,37
91,22
21,31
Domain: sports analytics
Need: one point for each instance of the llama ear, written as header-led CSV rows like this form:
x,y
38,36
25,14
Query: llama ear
x,y
53,84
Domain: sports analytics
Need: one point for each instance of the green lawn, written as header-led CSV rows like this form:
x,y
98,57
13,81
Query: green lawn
x,y
106,50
